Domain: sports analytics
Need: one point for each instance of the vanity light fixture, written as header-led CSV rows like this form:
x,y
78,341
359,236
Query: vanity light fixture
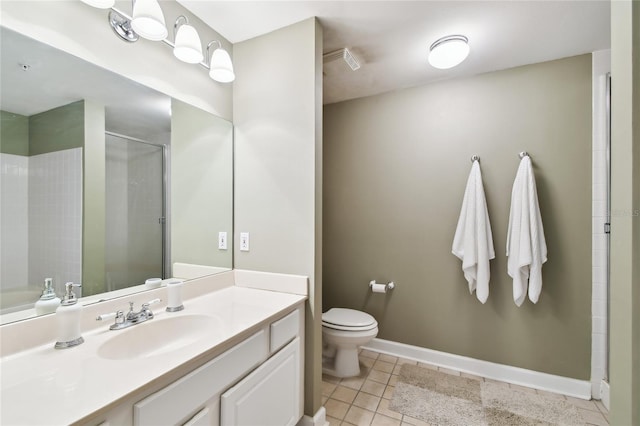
x,y
187,45
100,4
220,67
148,20
449,51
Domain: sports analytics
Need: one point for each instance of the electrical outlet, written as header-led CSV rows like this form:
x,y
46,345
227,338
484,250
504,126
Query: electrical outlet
x,y
244,241
222,240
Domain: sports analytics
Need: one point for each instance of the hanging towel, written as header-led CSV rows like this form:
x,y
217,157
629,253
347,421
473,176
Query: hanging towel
x,y
473,241
526,246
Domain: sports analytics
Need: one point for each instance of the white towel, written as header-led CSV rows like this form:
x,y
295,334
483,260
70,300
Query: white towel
x,y
473,241
526,246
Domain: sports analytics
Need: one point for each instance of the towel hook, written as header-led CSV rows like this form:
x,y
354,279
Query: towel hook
x,y
523,154
475,158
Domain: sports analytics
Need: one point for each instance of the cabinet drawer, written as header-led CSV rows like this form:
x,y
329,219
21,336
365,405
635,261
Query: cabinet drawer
x,y
175,403
284,330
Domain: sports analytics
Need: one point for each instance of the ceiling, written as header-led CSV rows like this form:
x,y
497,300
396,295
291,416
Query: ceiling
x,y
391,39
54,78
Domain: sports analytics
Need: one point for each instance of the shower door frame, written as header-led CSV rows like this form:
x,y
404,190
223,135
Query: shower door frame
x,y
165,195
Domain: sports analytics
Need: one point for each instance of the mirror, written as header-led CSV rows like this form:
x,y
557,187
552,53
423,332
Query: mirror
x,y
105,182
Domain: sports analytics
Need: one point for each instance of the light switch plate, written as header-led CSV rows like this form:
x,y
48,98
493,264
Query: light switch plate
x,y
244,241
222,240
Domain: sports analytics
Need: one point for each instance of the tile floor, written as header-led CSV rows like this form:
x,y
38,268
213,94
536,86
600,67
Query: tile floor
x,y
364,400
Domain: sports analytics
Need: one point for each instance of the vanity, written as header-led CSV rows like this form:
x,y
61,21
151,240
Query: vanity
x,y
233,356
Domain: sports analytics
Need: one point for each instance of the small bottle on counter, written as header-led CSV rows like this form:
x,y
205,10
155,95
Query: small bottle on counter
x,y
48,302
174,295
68,316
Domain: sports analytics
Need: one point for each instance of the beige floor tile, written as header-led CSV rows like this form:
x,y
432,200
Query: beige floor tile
x,y
385,367
449,371
383,408
333,421
330,379
414,422
369,354
328,388
359,416
366,362
603,409
496,382
380,420
388,392
472,377
367,401
429,366
379,376
374,388
583,403
324,399
593,417
393,380
522,388
353,382
336,408
344,394
407,361
396,369
551,395
388,358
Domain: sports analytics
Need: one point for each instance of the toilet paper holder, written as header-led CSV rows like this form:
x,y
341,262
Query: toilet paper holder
x,y
387,287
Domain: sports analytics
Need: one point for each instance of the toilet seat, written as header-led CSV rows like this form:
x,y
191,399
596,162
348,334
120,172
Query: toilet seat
x,y
348,320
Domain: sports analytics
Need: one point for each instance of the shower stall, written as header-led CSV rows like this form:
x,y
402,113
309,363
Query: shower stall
x,y
135,211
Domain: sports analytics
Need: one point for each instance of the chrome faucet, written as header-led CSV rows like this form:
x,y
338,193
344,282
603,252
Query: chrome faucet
x,y
131,318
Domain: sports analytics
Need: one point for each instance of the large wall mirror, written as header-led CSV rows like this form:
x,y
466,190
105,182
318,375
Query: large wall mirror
x,y
104,182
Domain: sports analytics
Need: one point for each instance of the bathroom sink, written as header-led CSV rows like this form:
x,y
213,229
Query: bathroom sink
x,y
158,336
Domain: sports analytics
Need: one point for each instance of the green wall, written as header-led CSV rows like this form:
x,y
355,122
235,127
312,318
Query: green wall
x,y
57,129
395,169
14,133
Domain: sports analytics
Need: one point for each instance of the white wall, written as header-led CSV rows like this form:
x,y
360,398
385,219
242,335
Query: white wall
x,y
277,104
83,31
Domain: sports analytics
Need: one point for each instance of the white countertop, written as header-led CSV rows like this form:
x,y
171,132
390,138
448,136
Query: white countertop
x,y
43,385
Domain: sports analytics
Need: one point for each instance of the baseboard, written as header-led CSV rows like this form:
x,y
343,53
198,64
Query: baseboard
x,y
605,394
318,419
518,376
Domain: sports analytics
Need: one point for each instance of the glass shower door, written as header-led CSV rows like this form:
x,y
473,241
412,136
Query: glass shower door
x,y
135,206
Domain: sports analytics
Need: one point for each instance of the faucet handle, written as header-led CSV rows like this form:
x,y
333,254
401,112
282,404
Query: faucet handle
x,y
151,302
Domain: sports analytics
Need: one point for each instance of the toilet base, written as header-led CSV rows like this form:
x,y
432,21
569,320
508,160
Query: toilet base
x,y
345,363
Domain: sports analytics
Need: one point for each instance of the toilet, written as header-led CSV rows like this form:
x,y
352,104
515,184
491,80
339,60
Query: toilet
x,y
343,332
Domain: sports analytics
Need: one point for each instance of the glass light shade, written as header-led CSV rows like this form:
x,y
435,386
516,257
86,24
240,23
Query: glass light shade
x,y
448,52
221,68
100,4
148,20
188,47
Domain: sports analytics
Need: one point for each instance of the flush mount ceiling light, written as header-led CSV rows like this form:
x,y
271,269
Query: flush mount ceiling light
x,y
220,68
148,20
449,51
188,47
100,4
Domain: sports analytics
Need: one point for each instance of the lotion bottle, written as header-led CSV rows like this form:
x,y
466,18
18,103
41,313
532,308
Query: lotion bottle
x,y
48,302
68,317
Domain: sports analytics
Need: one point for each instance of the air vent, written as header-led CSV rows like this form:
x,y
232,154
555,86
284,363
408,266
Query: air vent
x,y
343,54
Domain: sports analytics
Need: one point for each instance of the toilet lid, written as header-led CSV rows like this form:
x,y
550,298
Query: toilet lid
x,y
347,318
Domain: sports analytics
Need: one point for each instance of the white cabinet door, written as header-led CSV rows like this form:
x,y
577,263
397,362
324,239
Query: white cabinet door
x,y
271,395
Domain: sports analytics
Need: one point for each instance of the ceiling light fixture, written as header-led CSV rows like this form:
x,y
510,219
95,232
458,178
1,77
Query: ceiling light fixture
x,y
148,20
188,47
449,51
220,68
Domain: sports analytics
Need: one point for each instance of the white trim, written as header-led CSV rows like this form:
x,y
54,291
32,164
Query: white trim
x,y
605,394
505,373
319,419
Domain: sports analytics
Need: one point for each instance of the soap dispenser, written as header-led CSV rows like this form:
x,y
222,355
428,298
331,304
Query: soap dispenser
x,y
68,316
48,302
